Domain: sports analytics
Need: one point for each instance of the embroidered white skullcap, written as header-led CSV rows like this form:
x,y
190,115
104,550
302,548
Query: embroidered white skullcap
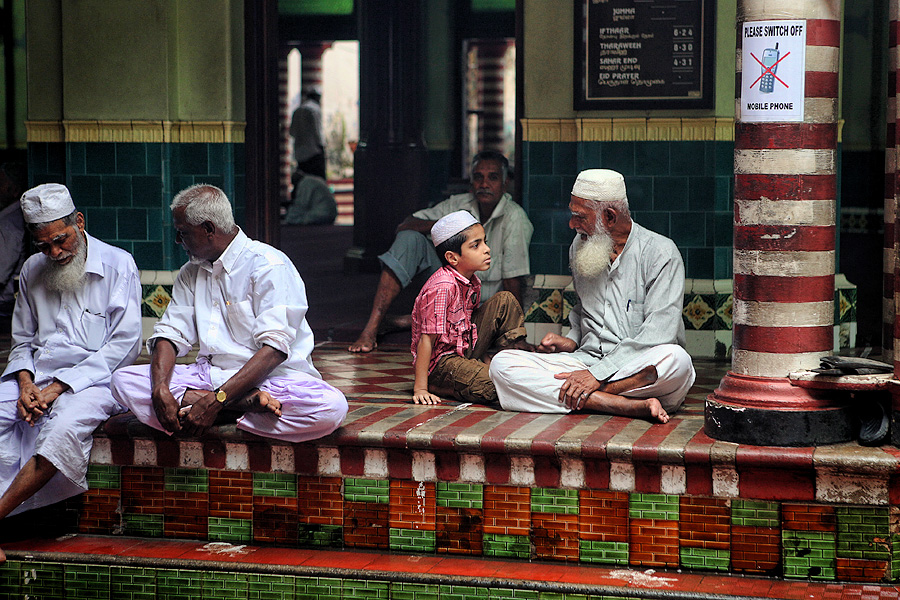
x,y
600,185
449,225
47,202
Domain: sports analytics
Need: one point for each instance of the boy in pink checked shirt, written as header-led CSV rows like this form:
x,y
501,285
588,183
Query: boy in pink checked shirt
x,y
452,337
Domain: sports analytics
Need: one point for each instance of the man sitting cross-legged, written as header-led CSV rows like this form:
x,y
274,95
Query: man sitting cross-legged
x,y
245,305
624,354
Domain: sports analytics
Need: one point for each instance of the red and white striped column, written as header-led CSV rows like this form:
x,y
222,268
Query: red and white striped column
x,y
784,251
890,186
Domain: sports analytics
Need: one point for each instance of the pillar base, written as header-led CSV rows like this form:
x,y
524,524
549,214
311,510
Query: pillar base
x,y
769,411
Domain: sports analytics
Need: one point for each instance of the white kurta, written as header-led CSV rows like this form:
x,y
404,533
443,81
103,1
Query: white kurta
x,y
250,296
79,338
627,318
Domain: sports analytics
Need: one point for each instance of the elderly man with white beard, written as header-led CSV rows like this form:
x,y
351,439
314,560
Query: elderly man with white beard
x,y
624,354
77,318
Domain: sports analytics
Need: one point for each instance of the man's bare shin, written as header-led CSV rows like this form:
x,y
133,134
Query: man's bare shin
x,y
33,476
388,289
644,377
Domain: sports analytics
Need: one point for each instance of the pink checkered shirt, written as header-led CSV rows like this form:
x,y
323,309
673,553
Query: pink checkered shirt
x,y
444,308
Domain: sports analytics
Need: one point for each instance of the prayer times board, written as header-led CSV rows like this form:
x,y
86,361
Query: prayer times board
x,y
643,54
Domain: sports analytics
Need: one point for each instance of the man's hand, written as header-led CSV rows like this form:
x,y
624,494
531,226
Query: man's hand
x,y
576,388
553,342
204,408
31,405
166,407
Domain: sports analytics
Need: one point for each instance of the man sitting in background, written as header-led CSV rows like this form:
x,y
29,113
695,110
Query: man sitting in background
x,y
507,230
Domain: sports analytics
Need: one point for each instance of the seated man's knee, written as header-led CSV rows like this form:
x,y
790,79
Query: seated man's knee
x,y
410,238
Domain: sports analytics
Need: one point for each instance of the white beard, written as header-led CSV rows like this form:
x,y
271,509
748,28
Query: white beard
x,y
592,256
70,277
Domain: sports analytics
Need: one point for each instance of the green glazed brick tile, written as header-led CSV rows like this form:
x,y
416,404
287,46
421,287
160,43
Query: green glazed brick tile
x,y
705,558
862,532
187,480
402,590
318,588
280,485
174,584
752,513
355,589
809,554
551,500
223,529
513,594
653,506
270,587
367,490
42,580
131,583
144,525
412,540
325,536
506,546
224,586
895,557
593,551
463,592
104,477
10,577
87,582
459,495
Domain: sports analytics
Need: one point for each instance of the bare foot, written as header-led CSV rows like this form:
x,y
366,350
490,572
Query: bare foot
x,y
2,557
262,401
647,408
657,412
365,343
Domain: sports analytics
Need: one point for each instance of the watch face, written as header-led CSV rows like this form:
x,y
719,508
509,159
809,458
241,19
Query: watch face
x,y
220,396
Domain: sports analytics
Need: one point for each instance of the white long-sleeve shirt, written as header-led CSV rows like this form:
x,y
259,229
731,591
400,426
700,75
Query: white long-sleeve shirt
x,y
78,337
634,306
250,296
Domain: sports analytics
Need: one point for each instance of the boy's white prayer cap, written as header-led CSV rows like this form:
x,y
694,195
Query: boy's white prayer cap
x,y
46,202
449,225
600,185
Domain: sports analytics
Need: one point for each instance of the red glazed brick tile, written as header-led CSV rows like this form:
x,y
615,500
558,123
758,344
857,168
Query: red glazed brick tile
x,y
99,511
603,516
186,515
755,549
459,530
366,525
275,520
507,510
653,542
555,536
143,490
853,569
319,500
808,517
412,505
231,494
704,523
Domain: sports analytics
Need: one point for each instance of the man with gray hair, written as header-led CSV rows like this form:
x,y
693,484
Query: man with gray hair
x,y
77,319
244,304
506,227
624,354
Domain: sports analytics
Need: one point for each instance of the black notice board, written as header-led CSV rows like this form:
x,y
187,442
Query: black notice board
x,y
644,54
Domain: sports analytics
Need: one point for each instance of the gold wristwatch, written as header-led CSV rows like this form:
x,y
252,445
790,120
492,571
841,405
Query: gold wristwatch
x,y
220,395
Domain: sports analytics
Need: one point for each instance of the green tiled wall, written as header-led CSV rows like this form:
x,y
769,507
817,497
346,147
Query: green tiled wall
x,y
124,188
681,189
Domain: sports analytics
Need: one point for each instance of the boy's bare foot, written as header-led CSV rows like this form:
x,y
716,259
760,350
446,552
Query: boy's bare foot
x,y
366,342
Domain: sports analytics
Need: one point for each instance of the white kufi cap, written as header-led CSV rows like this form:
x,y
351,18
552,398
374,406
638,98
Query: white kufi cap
x,y
449,225
47,202
600,185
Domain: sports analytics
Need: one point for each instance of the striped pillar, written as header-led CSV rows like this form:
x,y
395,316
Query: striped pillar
x,y
784,259
890,190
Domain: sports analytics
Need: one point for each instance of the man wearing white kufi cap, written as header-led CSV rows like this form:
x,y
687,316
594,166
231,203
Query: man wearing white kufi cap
x,y
624,353
77,319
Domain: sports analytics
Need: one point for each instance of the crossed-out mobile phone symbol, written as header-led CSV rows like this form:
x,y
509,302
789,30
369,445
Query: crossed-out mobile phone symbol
x,y
769,65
